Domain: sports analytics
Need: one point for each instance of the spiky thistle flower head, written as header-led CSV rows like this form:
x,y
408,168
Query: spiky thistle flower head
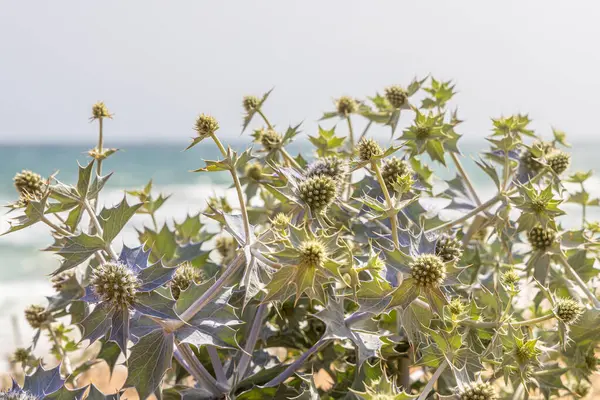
x,y
393,169
333,167
510,277
368,149
59,281
226,246
99,110
206,125
568,310
22,355
271,139
530,158
318,192
558,161
346,105
526,351
250,103
478,391
115,283
428,271
253,171
184,276
281,220
449,248
37,316
540,238
312,254
396,96
29,184
457,306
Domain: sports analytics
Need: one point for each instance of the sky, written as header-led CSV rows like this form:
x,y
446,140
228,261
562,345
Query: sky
x,y
158,64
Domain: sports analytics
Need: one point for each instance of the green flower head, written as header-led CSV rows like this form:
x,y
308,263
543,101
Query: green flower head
x,y
226,246
332,167
250,103
206,125
281,221
456,306
346,105
312,254
253,171
29,184
396,96
115,283
540,238
183,278
318,192
271,140
510,277
99,110
37,316
368,149
394,169
478,391
568,310
428,271
558,161
449,248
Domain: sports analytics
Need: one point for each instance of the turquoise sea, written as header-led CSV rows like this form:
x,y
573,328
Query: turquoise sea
x,y
24,269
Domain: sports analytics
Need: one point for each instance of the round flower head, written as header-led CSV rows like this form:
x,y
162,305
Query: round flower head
x,y
281,221
20,395
318,192
333,167
226,247
568,310
396,96
29,184
312,254
428,271
526,353
510,277
22,355
37,316
456,306
449,248
271,140
478,391
250,103
393,169
558,161
206,125
183,278
540,238
368,148
99,110
115,283
253,171
346,105
59,281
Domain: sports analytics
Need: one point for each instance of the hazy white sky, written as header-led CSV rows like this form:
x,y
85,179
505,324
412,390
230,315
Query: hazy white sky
x,y
157,64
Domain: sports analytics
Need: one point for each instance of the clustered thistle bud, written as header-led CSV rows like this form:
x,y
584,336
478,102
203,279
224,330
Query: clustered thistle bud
x,y
59,281
281,221
22,355
29,184
368,149
251,103
478,391
115,283
529,157
312,254
226,246
396,96
393,169
318,192
37,316
558,161
449,248
253,171
206,125
568,310
526,352
422,132
333,167
270,139
183,278
510,277
456,306
428,271
346,105
540,238
99,110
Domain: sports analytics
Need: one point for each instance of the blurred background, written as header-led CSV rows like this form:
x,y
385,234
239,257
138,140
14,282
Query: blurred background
x,y
158,65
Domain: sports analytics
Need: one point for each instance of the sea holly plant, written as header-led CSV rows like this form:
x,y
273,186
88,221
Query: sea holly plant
x,y
348,271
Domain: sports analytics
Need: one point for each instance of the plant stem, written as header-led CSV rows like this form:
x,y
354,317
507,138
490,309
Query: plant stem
x,y
565,263
391,211
217,366
251,341
432,381
496,324
57,228
470,214
290,159
211,293
466,178
238,189
552,371
66,362
188,360
94,219
100,145
350,134
259,111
